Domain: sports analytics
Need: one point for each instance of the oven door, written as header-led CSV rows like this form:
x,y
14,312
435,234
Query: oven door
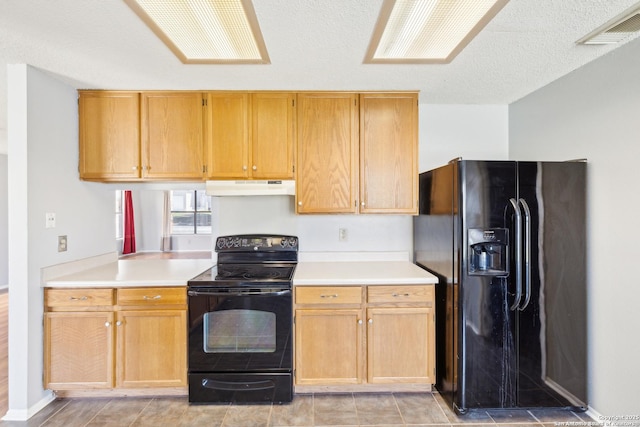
x,y
240,345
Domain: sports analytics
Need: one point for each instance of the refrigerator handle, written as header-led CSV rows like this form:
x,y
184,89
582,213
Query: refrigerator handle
x,y
527,253
518,244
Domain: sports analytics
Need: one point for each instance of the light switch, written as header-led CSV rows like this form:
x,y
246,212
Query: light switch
x,y
50,220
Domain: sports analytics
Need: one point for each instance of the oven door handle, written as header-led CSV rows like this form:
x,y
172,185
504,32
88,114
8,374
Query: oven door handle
x,y
236,293
238,386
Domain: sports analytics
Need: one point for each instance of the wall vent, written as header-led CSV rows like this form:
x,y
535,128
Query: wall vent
x,y
618,29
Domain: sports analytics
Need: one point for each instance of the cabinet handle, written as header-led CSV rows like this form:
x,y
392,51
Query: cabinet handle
x,y
84,298
359,321
255,168
329,296
400,295
244,168
299,203
371,321
148,298
107,324
361,203
135,168
118,323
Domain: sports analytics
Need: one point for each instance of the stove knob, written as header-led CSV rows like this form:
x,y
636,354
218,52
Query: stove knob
x,y
293,242
220,243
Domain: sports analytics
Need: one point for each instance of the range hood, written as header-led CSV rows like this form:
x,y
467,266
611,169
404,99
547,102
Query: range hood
x,y
251,188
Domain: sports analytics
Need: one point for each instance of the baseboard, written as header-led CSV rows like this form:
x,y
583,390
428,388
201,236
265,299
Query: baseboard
x,y
25,414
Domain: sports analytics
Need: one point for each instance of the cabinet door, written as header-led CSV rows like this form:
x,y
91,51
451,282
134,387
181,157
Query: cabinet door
x,y
329,347
273,135
109,126
78,350
152,348
327,174
228,135
389,153
172,135
400,345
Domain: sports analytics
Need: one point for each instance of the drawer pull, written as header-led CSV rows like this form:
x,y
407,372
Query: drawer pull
x,y
155,297
400,295
84,298
329,296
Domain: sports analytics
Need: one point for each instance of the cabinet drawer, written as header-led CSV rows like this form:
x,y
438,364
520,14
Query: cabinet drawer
x,y
152,296
328,295
78,299
400,294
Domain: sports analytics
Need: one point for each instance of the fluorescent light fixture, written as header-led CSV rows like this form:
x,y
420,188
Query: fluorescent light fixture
x,y
616,30
206,31
428,31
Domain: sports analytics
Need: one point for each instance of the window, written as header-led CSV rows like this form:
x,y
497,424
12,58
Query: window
x,y
119,214
190,212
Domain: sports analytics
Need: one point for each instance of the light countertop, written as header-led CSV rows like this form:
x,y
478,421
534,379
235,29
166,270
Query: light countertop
x,y
176,272
361,273
141,272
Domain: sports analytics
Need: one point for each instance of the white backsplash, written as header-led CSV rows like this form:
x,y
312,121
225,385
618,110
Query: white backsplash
x,y
317,233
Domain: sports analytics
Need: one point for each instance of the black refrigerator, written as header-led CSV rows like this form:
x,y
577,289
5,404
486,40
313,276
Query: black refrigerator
x,y
507,241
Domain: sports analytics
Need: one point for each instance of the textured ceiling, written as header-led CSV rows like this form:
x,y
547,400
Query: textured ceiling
x,y
313,45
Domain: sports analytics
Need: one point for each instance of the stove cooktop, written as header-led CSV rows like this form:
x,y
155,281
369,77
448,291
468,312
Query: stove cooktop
x,y
242,275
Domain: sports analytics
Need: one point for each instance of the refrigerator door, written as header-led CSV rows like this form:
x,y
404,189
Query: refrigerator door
x,y
487,370
551,318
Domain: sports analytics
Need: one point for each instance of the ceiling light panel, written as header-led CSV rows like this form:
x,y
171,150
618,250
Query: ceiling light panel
x,y
206,31
617,30
424,31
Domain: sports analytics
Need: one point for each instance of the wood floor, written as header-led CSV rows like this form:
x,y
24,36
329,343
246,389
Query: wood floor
x,y
4,353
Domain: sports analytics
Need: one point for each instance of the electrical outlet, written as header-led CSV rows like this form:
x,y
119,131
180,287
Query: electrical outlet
x,y
62,243
50,220
343,235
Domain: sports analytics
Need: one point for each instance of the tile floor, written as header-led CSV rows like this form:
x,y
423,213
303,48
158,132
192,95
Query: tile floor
x,y
398,409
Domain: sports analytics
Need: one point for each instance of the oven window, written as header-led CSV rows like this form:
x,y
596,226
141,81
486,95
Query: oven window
x,y
239,331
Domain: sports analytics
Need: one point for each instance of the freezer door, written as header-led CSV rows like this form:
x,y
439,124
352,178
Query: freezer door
x,y
552,339
487,369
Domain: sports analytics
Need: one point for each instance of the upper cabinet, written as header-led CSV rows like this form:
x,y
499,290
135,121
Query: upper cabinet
x,y
127,136
273,122
250,135
109,135
357,153
327,175
172,135
389,153
349,152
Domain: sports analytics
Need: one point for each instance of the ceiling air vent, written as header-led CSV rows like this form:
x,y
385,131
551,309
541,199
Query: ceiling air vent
x,y
616,30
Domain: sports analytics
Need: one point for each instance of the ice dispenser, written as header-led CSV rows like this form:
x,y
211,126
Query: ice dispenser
x,y
488,251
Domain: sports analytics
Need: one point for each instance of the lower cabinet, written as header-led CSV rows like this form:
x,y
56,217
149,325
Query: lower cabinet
x,y
329,346
115,338
364,335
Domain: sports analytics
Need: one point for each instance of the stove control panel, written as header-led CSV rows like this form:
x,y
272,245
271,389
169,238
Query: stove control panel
x,y
256,242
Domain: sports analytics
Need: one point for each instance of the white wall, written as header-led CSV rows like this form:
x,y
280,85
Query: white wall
x,y
43,177
594,113
4,231
474,132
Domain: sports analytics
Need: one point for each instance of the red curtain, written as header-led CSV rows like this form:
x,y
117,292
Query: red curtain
x,y
129,245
